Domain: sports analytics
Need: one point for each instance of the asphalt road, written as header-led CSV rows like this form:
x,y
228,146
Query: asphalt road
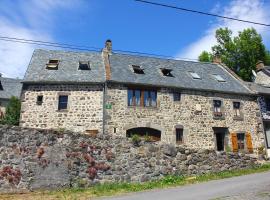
x,y
249,187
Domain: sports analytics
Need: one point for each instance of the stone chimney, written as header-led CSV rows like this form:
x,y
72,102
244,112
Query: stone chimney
x,y
217,59
106,52
108,46
259,65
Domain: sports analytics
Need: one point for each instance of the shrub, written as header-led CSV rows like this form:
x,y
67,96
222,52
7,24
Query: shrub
x,y
92,172
136,139
228,149
147,138
12,115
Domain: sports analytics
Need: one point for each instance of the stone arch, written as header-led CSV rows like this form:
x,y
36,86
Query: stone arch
x,y
153,134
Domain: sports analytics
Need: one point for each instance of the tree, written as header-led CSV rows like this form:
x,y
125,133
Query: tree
x,y
13,109
242,52
205,57
267,59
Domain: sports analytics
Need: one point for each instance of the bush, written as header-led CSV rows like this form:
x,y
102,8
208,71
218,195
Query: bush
x,y
147,138
136,139
13,109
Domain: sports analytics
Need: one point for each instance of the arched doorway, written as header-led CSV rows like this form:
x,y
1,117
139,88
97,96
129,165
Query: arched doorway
x,y
154,134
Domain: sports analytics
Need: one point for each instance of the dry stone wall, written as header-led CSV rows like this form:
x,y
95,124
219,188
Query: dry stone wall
x,y
197,125
38,159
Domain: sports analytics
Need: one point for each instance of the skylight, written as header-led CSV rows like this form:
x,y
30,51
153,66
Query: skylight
x,y
84,65
52,64
166,72
137,69
219,78
195,75
1,86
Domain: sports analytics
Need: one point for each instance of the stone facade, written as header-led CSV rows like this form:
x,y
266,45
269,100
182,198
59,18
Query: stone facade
x,y
41,159
197,125
262,78
84,112
194,113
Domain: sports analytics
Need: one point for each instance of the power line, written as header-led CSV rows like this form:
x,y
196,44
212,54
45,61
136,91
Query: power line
x,y
81,47
200,12
45,43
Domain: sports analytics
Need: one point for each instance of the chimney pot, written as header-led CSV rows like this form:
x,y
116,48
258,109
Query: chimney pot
x,y
108,46
217,59
259,65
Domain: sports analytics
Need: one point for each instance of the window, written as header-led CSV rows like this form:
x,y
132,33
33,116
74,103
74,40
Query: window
x,y
137,69
166,72
145,98
179,136
52,64
1,86
63,101
195,75
236,108
219,78
267,104
241,141
217,108
176,96
84,65
39,99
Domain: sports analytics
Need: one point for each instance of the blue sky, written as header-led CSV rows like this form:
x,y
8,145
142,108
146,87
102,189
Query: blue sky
x,y
130,25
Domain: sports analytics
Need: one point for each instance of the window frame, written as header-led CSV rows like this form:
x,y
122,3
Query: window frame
x,y
179,136
177,96
267,104
52,64
39,101
59,103
237,111
84,63
218,113
137,69
219,78
241,143
166,72
134,100
195,75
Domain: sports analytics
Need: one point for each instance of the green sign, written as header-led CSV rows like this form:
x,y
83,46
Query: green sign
x,y
108,106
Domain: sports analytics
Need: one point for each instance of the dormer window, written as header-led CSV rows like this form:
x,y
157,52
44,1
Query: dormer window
x,y
84,65
219,78
137,69
52,64
195,75
166,72
1,86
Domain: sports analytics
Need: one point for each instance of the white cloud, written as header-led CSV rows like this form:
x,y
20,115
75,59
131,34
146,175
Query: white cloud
x,y
32,21
251,10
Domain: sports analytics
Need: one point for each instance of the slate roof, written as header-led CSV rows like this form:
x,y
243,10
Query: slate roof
x,y
122,72
67,68
260,88
11,87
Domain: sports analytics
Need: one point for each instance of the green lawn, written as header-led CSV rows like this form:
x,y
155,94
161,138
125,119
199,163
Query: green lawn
x,y
109,189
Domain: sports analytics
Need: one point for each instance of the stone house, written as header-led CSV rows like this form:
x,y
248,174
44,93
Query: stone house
x,y
261,85
8,87
194,104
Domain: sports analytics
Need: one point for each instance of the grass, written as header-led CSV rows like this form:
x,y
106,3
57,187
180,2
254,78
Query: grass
x,y
109,189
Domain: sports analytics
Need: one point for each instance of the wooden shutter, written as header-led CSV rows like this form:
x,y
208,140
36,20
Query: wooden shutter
x,y
249,142
234,142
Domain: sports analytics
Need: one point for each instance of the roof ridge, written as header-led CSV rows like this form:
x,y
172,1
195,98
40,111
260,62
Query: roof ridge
x,y
157,57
